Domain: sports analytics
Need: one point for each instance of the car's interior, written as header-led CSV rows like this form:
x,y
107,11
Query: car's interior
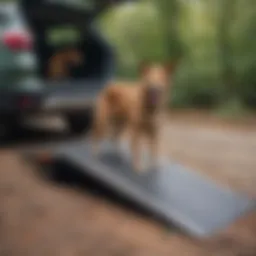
x,y
94,54
52,35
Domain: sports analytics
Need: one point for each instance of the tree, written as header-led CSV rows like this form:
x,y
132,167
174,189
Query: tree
x,y
226,15
169,15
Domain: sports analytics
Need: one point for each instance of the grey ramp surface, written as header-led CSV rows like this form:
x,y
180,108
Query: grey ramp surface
x,y
182,197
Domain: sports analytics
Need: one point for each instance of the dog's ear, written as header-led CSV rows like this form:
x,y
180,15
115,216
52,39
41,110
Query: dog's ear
x,y
143,68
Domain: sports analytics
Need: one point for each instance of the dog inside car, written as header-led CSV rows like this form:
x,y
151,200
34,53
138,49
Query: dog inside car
x,y
134,106
61,62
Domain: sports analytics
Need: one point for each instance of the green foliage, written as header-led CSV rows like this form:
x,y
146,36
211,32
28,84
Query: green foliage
x,y
135,39
247,86
196,89
215,38
233,108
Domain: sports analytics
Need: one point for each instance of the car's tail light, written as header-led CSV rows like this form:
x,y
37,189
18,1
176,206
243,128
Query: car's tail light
x,y
25,102
17,41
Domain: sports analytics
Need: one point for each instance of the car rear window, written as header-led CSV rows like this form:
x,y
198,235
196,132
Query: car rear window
x,y
63,34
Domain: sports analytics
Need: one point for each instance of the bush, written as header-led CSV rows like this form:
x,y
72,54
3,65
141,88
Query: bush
x,y
195,89
232,108
247,87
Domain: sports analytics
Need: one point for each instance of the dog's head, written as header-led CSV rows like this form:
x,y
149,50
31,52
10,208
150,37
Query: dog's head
x,y
73,56
156,80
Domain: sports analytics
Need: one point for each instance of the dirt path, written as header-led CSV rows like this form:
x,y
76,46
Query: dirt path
x,y
39,218
221,150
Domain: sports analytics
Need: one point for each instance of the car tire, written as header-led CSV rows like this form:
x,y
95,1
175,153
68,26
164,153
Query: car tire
x,y
80,122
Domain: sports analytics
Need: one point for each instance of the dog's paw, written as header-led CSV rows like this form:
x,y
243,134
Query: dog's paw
x,y
95,155
139,169
95,152
155,166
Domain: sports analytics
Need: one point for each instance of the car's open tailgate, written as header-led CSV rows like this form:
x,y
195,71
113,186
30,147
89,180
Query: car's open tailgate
x,y
63,11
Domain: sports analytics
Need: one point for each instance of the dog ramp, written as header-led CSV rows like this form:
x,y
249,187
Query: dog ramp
x,y
179,196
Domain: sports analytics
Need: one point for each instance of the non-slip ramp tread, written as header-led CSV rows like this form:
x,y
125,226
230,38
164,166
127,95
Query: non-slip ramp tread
x,y
182,197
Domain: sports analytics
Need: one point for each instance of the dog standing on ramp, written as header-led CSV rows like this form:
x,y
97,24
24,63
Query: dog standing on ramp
x,y
135,106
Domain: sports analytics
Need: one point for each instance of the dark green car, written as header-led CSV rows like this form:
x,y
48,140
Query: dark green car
x,y
31,32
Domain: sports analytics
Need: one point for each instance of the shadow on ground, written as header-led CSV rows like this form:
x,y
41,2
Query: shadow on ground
x,y
27,137
70,178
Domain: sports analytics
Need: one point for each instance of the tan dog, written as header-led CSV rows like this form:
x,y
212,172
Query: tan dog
x,y
59,63
136,106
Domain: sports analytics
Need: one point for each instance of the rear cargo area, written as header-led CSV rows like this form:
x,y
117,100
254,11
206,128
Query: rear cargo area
x,y
96,54
45,16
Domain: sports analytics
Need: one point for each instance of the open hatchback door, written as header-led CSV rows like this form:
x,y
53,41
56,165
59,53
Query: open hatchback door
x,y
58,24
60,11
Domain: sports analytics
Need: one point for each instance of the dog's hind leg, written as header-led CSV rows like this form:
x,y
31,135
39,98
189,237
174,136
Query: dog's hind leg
x,y
99,127
153,140
135,151
116,134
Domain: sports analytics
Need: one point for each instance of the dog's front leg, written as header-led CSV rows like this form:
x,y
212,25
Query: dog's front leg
x,y
135,151
100,125
153,140
95,140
